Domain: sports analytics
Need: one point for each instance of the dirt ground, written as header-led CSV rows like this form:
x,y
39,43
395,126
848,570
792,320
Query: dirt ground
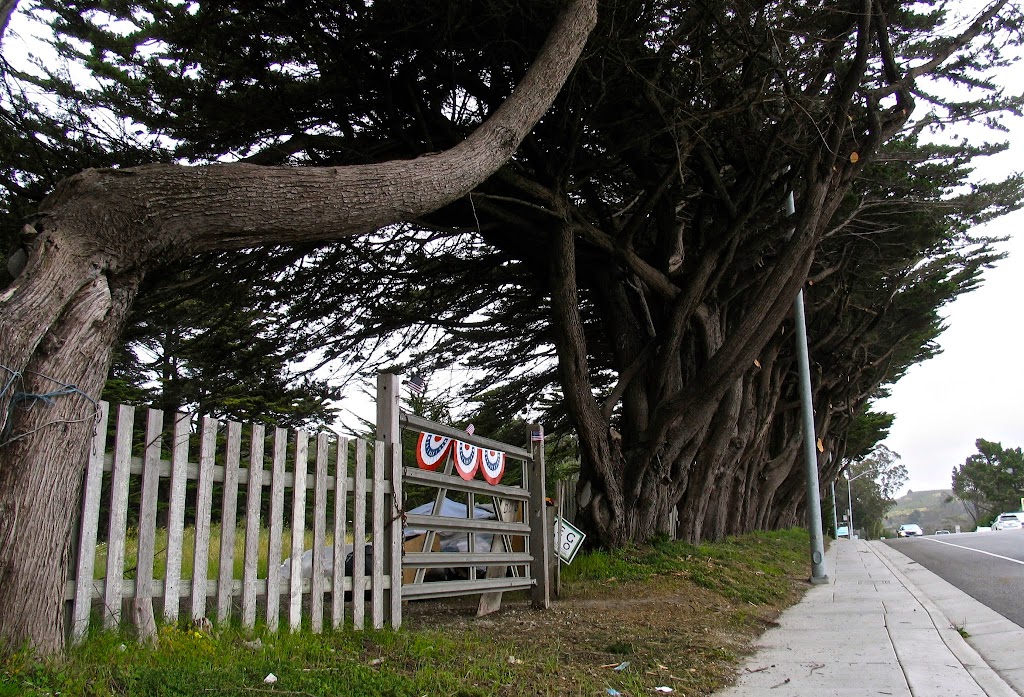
x,y
671,632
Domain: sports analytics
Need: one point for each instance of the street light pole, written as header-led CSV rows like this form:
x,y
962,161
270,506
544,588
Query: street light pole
x,y
849,494
818,575
835,516
849,498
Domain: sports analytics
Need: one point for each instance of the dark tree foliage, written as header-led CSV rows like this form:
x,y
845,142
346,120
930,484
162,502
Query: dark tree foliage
x,y
630,272
206,336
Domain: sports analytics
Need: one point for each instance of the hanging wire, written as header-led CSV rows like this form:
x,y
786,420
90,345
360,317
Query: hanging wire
x,y
29,399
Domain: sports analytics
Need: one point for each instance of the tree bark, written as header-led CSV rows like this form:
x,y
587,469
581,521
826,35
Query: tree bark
x,y
100,231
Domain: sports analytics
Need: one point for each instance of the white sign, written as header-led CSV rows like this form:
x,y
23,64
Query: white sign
x,y
568,540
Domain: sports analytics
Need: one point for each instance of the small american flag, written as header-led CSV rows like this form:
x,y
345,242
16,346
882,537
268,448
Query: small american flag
x,y
470,429
537,435
416,383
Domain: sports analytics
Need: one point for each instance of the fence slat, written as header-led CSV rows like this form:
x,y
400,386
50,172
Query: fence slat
x,y
340,533
118,516
229,510
359,537
276,529
318,584
378,538
298,528
254,494
176,516
89,527
397,515
204,508
145,621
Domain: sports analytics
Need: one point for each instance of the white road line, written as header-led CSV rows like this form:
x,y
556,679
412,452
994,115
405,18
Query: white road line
x,y
979,551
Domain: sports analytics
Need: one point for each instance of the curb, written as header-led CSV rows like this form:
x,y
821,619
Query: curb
x,y
982,673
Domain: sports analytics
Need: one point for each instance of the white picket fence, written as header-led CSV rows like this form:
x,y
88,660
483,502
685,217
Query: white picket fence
x,y
354,489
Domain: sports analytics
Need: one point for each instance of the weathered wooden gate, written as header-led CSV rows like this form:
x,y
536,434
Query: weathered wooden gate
x,y
349,491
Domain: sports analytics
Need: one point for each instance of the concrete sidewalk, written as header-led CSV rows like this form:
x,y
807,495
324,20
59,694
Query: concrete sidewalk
x,y
873,631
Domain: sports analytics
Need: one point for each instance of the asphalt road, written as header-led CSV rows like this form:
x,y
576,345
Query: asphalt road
x,y
988,566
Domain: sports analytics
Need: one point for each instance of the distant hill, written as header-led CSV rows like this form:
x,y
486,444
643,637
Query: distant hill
x,y
929,510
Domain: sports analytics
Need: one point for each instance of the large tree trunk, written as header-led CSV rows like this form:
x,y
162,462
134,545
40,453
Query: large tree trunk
x,y
100,231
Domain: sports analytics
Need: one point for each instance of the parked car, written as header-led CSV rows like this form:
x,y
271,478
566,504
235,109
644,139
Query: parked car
x,y
1007,521
910,530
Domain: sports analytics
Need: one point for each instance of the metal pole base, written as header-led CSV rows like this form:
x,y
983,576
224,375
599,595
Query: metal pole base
x,y
819,580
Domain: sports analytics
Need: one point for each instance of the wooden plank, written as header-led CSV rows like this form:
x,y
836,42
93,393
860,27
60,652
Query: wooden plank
x,y
204,508
377,537
298,529
448,589
340,531
443,560
176,516
318,583
145,621
418,423
540,532
412,475
128,588
276,529
466,525
228,514
89,528
253,497
118,516
359,536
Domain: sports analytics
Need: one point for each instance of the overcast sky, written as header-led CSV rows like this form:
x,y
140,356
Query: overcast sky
x,y
975,387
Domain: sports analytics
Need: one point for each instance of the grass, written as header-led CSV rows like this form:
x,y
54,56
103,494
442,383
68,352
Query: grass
x,y
752,568
677,614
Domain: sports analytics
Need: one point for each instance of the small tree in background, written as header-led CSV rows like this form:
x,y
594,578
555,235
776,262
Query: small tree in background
x,y
990,481
873,496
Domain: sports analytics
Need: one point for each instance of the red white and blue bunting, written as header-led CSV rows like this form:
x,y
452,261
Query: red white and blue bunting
x,y
431,450
492,465
467,459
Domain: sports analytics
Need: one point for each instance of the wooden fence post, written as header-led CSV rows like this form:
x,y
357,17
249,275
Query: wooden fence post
x,y
389,431
540,531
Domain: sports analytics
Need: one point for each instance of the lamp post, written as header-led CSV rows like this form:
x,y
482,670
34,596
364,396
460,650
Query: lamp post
x,y
849,495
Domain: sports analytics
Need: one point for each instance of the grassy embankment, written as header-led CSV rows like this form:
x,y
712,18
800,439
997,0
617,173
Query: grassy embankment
x,y
677,615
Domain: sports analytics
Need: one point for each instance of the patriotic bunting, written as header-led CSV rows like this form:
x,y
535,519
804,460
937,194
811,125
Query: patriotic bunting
x,y
431,450
492,465
467,459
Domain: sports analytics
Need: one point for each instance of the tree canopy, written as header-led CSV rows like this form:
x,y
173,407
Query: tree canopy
x,y
631,269
101,232
990,481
